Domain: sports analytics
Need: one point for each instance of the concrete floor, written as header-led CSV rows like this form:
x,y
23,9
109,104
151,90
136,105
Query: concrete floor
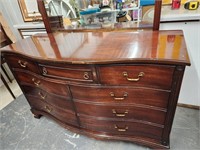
x,y
21,131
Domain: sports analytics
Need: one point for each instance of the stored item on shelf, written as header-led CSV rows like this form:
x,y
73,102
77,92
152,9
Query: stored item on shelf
x,y
121,16
105,8
192,5
89,11
176,4
99,18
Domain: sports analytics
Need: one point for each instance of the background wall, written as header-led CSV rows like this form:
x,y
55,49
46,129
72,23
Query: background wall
x,y
190,90
11,12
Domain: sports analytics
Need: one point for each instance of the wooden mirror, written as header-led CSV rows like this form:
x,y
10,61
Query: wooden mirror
x,y
119,26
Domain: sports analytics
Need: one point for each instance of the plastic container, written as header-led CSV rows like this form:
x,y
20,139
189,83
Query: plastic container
x,y
99,18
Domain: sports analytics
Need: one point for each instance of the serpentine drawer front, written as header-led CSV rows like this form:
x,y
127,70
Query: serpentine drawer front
x,y
103,86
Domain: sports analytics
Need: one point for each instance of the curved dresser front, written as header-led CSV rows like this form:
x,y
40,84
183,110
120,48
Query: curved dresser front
x,y
94,85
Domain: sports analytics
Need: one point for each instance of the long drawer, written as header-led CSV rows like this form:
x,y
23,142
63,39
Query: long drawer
x,y
65,116
120,95
153,76
59,101
43,83
68,72
122,128
121,112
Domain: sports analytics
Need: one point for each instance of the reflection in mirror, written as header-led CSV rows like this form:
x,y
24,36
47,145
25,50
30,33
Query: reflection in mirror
x,y
100,14
65,8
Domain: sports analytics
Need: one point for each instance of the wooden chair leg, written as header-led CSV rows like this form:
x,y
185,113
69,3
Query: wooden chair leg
x,y
5,72
5,83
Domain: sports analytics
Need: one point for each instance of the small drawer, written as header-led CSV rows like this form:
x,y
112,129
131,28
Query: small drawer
x,y
65,116
122,128
121,112
21,63
58,101
120,95
41,82
68,72
152,76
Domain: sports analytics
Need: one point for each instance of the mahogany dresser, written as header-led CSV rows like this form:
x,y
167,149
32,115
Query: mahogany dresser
x,y
107,85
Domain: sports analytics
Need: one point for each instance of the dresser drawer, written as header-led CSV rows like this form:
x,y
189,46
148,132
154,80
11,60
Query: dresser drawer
x,y
21,63
43,83
65,116
58,101
152,76
121,112
68,72
120,95
121,128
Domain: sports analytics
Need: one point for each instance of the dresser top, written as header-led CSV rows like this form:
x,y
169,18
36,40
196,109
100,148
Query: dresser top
x,y
167,47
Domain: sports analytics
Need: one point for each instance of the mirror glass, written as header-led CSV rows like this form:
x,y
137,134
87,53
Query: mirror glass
x,y
101,13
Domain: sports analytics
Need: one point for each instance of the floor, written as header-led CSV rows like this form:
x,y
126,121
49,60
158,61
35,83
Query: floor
x,y
19,130
6,97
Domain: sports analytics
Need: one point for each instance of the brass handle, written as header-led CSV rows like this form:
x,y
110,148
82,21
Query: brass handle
x,y
36,82
44,70
86,76
121,129
118,98
48,109
22,64
119,114
42,95
141,74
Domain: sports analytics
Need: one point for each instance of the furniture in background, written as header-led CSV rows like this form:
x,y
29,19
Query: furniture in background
x,y
113,86
29,31
4,40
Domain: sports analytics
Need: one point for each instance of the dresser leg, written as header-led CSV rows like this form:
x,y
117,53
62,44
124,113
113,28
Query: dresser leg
x,y
37,116
166,143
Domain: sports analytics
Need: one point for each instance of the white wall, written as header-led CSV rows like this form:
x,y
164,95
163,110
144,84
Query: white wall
x,y
11,12
190,90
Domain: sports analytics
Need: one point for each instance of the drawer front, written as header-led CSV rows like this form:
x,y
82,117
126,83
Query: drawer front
x,y
120,95
159,77
65,116
58,101
38,81
21,63
121,112
67,72
122,128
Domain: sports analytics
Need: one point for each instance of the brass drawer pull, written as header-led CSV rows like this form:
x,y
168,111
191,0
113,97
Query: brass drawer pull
x,y
37,83
121,129
22,64
44,70
86,76
42,95
118,98
48,109
119,114
141,74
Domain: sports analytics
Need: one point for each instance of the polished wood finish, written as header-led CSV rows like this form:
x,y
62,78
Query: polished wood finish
x,y
112,85
158,47
45,18
157,14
